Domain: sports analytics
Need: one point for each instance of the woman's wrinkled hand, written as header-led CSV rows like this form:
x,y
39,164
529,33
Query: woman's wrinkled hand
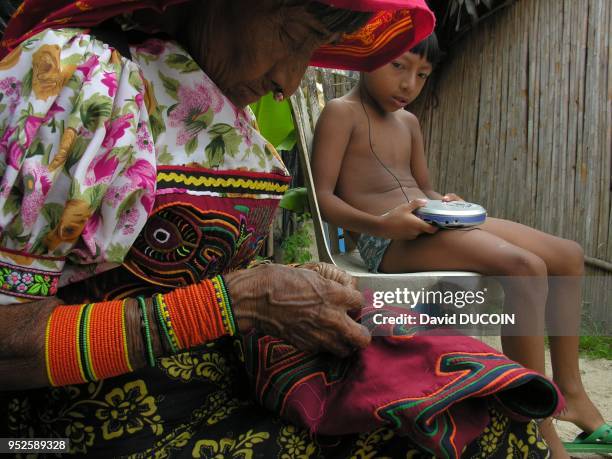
x,y
331,272
401,223
300,306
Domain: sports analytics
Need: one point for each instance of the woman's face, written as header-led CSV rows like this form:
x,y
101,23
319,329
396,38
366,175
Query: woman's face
x,y
261,49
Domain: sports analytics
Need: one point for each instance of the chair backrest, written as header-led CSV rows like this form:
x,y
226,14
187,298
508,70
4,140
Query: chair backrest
x,y
305,104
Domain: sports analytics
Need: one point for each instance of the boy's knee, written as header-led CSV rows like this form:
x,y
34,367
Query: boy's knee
x,y
571,256
524,264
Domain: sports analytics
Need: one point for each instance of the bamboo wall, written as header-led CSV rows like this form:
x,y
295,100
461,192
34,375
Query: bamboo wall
x,y
524,126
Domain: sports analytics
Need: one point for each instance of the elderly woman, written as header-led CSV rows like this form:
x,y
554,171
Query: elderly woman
x,y
132,178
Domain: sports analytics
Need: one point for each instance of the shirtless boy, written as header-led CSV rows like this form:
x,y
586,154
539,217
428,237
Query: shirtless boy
x,y
371,174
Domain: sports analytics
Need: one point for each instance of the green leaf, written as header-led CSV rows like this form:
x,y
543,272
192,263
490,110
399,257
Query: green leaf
x,y
232,143
75,155
256,149
26,85
165,157
34,289
203,120
220,129
214,152
95,110
288,143
52,212
12,204
157,126
75,191
295,200
129,107
191,146
15,228
170,85
182,63
123,154
116,253
128,203
94,195
73,59
135,80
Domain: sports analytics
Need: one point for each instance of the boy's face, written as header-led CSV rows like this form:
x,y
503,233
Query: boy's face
x,y
398,83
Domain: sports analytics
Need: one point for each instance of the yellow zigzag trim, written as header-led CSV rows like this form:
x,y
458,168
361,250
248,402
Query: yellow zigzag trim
x,y
220,182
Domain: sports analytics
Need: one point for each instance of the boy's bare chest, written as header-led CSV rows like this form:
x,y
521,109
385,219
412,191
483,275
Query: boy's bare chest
x,y
391,142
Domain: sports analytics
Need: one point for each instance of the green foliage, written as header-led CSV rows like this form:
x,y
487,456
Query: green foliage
x,y
596,347
295,200
296,247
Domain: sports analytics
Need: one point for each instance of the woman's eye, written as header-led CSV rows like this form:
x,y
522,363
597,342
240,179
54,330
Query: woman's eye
x,y
423,76
288,39
397,65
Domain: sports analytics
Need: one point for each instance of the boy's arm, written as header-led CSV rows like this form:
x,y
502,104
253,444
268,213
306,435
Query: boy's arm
x,y
331,139
418,164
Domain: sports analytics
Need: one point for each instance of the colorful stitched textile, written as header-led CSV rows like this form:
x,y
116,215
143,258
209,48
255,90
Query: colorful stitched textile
x,y
435,389
396,27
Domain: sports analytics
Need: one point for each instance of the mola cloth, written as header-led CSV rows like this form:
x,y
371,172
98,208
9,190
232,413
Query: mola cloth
x,y
437,390
395,27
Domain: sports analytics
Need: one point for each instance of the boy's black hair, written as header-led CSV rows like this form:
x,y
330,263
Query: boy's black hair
x,y
429,49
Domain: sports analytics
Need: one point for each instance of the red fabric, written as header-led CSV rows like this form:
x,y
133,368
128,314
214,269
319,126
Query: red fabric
x,y
434,388
397,26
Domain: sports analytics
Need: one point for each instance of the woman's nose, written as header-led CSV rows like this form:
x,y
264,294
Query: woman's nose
x,y
288,74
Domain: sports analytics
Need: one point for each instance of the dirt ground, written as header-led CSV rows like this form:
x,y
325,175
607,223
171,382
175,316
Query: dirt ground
x,y
597,378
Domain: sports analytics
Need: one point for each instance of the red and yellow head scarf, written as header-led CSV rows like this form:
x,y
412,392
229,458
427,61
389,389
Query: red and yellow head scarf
x,y
396,26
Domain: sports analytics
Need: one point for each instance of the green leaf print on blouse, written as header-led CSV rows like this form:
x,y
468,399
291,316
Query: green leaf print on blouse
x,y
170,85
225,140
95,108
182,63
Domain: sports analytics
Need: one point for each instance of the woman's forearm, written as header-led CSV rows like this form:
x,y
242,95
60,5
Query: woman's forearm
x,y
22,341
47,343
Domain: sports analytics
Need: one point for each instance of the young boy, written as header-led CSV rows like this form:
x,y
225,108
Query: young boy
x,y
371,174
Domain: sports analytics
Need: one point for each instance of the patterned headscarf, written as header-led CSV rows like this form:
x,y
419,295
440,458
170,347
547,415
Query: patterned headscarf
x,y
396,26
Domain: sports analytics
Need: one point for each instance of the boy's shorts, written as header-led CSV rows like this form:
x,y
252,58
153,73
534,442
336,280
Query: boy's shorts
x,y
372,250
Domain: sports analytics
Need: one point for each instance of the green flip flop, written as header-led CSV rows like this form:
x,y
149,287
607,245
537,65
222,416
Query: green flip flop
x,y
598,442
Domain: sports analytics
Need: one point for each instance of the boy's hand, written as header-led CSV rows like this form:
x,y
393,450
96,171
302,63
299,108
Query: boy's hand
x,y
452,197
401,223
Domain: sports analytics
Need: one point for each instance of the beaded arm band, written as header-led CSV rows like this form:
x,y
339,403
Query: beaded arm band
x,y
88,342
194,315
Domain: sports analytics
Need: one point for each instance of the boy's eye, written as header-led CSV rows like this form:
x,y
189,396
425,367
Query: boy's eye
x,y
397,65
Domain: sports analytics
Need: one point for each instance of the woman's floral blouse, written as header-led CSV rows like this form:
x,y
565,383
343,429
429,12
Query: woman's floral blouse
x,y
82,133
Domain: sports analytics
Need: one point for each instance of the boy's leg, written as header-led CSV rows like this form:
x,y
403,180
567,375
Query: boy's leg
x,y
483,252
563,258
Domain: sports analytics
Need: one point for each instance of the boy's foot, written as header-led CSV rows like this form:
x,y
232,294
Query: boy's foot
x,y
552,440
580,411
